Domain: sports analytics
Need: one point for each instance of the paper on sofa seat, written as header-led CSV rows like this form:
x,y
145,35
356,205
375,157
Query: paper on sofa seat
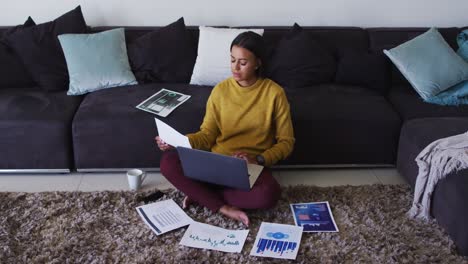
x,y
171,136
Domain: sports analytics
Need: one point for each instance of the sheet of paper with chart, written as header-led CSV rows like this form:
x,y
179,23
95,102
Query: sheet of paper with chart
x,y
314,217
200,235
163,102
163,216
277,241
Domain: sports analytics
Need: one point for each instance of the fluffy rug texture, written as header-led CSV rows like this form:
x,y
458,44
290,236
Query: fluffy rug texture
x,y
104,227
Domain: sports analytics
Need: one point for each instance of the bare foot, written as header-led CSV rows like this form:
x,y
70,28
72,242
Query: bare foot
x,y
186,202
234,213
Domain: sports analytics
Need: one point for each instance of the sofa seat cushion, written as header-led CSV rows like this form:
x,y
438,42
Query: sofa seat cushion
x,y
418,133
37,129
450,194
410,105
340,124
109,132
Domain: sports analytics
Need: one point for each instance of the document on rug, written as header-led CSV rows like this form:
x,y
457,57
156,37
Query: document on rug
x,y
163,216
163,102
204,236
277,241
314,217
171,136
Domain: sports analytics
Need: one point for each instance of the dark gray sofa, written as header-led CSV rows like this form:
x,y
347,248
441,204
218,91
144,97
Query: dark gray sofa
x,y
449,197
336,124
321,113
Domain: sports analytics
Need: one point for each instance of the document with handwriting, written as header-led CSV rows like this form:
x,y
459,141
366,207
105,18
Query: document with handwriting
x,y
200,235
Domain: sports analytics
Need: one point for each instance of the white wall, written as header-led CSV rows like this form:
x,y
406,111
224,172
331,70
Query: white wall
x,y
363,13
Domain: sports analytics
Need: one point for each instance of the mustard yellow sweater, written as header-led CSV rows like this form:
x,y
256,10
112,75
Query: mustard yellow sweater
x,y
254,119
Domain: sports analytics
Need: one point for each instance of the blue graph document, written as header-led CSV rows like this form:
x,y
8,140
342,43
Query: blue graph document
x,y
314,217
277,241
199,235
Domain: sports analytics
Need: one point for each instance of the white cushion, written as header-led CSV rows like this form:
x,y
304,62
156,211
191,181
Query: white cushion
x,y
213,62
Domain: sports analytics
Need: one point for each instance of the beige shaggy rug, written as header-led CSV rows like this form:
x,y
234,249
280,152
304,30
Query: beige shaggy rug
x,y
104,227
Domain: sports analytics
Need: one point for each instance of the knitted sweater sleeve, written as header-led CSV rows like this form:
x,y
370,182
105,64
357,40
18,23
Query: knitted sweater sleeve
x,y
284,132
209,130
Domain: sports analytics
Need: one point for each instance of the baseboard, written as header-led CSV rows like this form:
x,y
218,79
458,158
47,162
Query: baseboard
x,y
279,167
116,169
25,171
334,166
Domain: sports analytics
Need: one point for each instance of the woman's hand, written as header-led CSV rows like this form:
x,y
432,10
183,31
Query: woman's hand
x,y
163,146
244,156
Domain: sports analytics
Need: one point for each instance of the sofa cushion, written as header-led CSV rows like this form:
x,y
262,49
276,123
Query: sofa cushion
x,y
429,63
342,124
163,55
363,68
96,61
213,57
300,60
410,105
415,136
39,129
13,74
462,40
41,52
388,38
109,116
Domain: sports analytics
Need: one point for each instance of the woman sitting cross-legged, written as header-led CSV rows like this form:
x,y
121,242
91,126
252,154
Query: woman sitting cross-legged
x,y
248,117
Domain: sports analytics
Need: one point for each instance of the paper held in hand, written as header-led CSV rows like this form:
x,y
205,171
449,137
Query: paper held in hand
x,y
163,102
171,136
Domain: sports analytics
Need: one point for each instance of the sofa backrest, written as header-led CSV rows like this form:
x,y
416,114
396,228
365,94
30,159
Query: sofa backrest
x,y
337,39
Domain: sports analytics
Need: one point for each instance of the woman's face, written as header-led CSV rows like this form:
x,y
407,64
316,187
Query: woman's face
x,y
243,66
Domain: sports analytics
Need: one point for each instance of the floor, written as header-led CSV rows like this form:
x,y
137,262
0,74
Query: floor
x,y
118,181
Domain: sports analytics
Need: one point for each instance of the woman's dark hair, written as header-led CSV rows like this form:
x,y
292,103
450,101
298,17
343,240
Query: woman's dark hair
x,y
254,43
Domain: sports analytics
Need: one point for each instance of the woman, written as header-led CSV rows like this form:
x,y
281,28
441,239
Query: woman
x,y
247,116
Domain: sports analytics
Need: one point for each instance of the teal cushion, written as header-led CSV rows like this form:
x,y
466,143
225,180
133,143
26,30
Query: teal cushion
x,y
456,95
462,40
429,63
96,61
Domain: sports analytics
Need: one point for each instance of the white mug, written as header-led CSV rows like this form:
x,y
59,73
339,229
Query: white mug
x,y
135,178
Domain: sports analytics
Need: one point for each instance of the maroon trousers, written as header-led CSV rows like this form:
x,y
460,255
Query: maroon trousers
x,y
264,194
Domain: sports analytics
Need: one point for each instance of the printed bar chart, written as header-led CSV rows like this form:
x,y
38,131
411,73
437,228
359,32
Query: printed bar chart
x,y
277,241
275,246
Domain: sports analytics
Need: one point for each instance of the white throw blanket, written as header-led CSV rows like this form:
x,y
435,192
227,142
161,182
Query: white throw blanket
x,y
435,162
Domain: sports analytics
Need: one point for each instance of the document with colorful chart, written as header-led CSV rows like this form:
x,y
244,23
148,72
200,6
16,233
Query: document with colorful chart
x,y
314,217
163,102
199,235
277,241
